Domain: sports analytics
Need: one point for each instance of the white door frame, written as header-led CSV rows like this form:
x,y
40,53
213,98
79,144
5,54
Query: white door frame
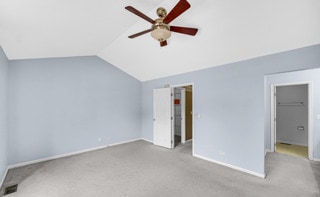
x,y
310,114
183,115
193,107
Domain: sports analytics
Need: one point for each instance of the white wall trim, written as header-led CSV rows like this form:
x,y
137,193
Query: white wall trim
x,y
193,109
310,113
54,157
144,139
68,154
181,85
267,151
316,159
125,142
231,166
4,176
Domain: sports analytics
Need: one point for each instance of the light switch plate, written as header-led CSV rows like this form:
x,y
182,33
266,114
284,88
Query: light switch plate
x,y
318,116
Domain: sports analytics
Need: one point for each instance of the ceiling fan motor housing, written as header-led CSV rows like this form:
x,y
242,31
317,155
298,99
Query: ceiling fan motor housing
x,y
161,12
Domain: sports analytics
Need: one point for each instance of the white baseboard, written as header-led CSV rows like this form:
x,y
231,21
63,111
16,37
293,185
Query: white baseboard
x,y
144,139
67,154
316,159
125,142
267,151
55,157
231,166
4,176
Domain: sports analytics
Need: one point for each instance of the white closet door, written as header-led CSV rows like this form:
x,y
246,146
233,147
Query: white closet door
x,y
162,117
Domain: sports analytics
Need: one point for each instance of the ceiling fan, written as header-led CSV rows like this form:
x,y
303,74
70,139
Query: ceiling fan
x,y
161,30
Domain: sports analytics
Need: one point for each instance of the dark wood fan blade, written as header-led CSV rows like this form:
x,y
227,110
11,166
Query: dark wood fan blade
x,y
163,43
184,30
181,7
140,33
140,14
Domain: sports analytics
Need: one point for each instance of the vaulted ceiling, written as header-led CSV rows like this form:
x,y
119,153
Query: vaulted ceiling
x,y
229,31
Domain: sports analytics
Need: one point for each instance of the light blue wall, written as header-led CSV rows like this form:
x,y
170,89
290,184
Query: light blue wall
x,y
3,112
312,76
62,105
230,99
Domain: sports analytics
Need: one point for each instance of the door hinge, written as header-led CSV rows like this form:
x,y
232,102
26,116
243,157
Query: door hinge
x,y
171,118
171,94
171,141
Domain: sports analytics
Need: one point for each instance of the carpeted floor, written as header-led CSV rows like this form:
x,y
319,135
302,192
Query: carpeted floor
x,y
141,169
292,149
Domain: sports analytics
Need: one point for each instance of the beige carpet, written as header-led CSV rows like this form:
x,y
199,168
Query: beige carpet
x,y
292,149
141,169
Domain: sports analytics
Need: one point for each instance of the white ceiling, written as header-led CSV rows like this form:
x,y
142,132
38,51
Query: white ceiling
x,y
229,31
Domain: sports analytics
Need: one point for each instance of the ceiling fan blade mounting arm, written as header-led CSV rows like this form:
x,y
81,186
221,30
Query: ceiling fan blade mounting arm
x,y
184,30
178,9
140,33
140,14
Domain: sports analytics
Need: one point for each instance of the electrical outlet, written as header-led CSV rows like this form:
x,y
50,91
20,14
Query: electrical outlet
x,y
99,139
222,153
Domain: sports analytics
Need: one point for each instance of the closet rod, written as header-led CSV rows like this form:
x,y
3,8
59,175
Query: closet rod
x,y
290,103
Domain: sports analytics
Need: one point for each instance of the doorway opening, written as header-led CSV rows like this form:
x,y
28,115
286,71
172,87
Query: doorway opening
x,y
182,105
291,130
173,116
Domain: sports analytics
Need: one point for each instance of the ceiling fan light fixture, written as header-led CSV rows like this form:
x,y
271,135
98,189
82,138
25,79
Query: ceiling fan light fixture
x,y
161,34
160,31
